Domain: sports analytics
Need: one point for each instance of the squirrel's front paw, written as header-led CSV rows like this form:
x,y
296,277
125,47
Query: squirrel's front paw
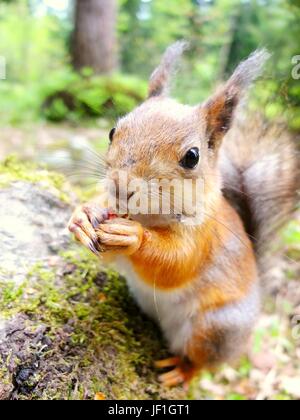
x,y
120,235
83,223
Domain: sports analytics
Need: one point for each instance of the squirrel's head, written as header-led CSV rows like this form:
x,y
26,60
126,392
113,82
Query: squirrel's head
x,y
164,141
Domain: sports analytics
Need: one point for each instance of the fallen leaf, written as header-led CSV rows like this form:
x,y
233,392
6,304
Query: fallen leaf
x,y
99,396
101,297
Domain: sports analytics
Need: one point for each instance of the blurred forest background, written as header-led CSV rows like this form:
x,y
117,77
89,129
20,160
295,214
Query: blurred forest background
x,y
87,60
84,63
73,67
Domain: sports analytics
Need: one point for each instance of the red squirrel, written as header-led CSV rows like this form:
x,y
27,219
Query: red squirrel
x,y
200,282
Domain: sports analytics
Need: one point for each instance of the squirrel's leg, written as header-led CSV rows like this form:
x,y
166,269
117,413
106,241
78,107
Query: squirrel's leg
x,y
199,352
182,373
169,362
203,351
221,336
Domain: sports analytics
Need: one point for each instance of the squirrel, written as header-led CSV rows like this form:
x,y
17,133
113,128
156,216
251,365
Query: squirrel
x,y
201,282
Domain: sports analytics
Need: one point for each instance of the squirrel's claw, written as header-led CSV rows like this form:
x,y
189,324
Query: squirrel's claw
x,y
97,230
120,235
182,374
96,215
83,223
165,363
173,378
82,237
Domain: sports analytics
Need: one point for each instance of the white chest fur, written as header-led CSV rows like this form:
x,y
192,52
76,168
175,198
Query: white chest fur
x,y
174,311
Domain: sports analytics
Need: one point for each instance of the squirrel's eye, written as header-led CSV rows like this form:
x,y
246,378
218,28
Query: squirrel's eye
x,y
191,159
111,134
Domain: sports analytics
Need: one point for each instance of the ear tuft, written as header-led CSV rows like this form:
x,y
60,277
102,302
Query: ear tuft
x,y
160,78
249,70
221,107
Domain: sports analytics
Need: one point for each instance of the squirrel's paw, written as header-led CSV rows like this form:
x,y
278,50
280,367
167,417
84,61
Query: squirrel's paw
x,y
120,235
83,223
182,374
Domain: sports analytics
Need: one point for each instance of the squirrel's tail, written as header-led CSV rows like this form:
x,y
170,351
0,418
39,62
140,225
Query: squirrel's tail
x,y
260,168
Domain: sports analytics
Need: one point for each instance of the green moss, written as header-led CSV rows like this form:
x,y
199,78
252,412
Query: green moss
x,y
12,170
112,345
71,96
10,293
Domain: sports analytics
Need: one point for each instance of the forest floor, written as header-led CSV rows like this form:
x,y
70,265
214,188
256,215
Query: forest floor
x,y
272,368
58,145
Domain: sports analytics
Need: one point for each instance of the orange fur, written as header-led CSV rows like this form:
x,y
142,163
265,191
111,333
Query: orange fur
x,y
178,255
174,259
200,280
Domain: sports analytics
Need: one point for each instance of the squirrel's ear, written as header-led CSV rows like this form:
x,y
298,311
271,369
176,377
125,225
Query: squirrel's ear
x,y
160,78
219,110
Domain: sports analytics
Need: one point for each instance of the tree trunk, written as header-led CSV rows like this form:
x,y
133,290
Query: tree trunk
x,y
94,41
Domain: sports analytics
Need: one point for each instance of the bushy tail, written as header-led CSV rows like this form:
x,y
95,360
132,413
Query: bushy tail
x,y
260,167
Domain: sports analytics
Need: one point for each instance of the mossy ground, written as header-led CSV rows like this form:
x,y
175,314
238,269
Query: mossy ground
x,y
12,170
96,335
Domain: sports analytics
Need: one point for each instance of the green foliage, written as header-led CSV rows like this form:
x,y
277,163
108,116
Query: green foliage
x,y
222,33
32,46
72,96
